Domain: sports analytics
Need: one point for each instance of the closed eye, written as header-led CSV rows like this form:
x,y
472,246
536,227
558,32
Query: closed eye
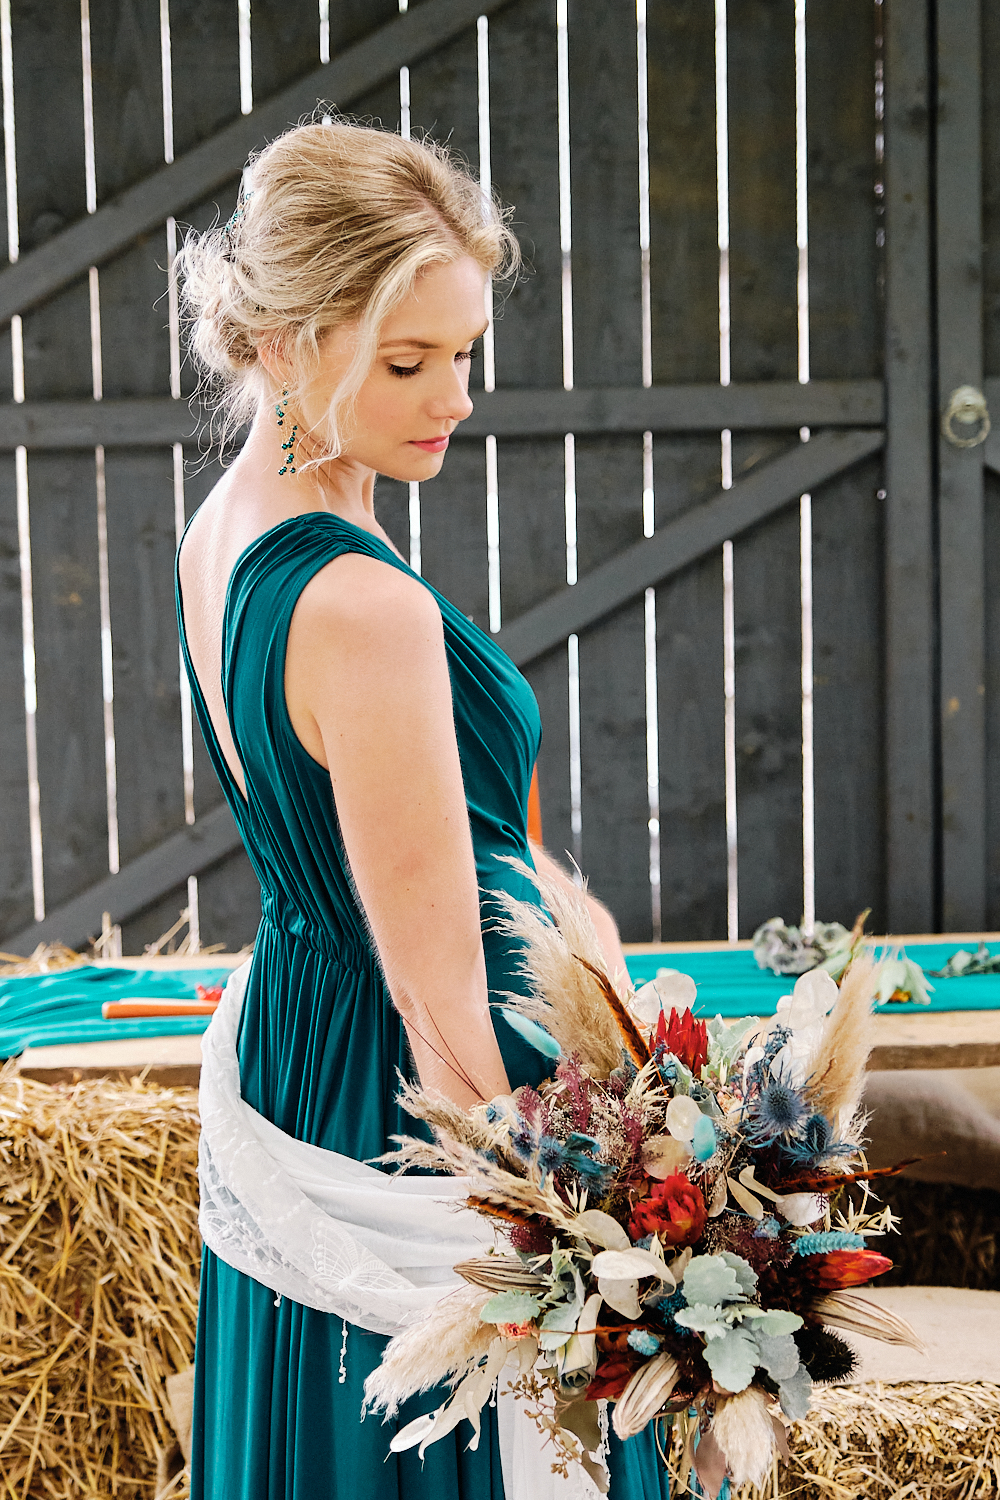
x,y
405,370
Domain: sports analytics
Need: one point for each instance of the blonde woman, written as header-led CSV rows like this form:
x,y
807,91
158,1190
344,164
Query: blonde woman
x,y
376,749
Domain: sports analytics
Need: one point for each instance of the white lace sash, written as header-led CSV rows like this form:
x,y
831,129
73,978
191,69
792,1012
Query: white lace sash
x,y
340,1236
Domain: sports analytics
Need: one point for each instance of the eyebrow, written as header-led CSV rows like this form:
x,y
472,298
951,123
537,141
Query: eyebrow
x,y
420,344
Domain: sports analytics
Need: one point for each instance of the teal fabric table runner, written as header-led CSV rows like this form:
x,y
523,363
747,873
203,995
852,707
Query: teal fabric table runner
x,y
58,1009
730,983
51,1010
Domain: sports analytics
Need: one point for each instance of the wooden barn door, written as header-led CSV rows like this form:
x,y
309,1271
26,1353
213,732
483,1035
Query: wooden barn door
x,y
711,498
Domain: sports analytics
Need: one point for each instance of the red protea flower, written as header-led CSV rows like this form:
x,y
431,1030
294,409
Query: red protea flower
x,y
840,1268
685,1037
675,1210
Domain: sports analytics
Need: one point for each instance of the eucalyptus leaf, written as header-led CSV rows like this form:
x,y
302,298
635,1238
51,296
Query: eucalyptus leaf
x,y
511,1307
710,1279
711,1321
733,1359
745,1273
795,1394
775,1322
562,1318
779,1355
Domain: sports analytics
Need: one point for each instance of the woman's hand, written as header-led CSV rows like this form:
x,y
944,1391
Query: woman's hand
x,y
369,696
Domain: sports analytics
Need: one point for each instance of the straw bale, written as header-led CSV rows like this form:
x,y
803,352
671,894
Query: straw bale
x,y
910,1441
99,1255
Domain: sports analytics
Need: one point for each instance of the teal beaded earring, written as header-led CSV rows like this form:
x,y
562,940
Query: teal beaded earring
x,y
288,467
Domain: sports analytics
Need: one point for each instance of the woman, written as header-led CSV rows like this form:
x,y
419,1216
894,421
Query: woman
x,y
376,749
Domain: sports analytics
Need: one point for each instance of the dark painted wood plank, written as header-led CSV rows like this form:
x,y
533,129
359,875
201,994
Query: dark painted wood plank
x,y
992,532
204,47
15,848
206,89
444,106
607,345
128,145
392,510
960,470
763,259
201,475
71,769
991,361
845,326
528,336
140,510
910,564
128,132
848,667
453,530
991,188
525,154
763,267
531,486
684,270
284,43
70,729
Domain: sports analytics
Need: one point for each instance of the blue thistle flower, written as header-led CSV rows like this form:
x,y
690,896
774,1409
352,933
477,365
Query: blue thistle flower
x,y
551,1155
523,1140
778,1110
665,1307
815,1141
643,1342
767,1229
824,1242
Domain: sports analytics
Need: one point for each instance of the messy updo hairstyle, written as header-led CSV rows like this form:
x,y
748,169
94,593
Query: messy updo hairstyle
x,y
333,225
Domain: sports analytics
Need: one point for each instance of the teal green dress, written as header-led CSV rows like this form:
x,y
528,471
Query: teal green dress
x,y
279,1389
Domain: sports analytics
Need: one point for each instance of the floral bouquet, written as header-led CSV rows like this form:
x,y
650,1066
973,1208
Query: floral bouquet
x,y
676,1231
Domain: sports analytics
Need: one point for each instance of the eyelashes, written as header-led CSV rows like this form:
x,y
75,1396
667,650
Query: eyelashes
x,y
403,372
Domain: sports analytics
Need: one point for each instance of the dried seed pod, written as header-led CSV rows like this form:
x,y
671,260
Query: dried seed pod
x,y
647,1391
861,1315
499,1273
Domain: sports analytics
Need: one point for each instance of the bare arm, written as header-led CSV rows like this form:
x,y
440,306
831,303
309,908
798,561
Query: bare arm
x,y
604,922
369,694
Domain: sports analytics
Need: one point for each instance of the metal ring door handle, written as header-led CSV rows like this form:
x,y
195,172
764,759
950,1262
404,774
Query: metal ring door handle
x,y
967,406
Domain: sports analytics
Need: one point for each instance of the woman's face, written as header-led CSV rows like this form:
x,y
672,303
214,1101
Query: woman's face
x,y
417,391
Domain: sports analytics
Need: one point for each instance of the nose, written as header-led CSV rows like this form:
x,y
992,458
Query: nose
x,y
451,401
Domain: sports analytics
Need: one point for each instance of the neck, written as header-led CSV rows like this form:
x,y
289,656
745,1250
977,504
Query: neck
x,y
341,485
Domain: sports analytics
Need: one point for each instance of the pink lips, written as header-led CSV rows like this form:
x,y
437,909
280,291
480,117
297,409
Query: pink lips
x,y
433,445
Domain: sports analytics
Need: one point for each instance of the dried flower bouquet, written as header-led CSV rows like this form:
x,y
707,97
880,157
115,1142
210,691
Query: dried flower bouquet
x,y
677,1238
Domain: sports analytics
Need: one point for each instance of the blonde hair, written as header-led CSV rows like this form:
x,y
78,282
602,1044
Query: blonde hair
x,y
334,223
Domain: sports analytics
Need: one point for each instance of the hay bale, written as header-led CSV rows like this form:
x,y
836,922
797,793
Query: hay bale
x,y
883,1442
99,1254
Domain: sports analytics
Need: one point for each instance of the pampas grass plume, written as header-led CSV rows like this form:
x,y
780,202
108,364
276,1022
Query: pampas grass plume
x,y
565,997
444,1345
835,1088
745,1432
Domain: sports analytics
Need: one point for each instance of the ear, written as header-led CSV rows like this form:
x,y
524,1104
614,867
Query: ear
x,y
271,354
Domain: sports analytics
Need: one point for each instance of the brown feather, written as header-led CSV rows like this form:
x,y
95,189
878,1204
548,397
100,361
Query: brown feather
x,y
487,1204
630,1033
828,1182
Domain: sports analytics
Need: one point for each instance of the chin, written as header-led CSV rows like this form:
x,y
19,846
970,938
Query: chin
x,y
415,468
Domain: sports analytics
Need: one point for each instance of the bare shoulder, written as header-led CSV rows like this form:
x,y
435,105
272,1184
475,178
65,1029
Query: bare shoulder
x,y
355,593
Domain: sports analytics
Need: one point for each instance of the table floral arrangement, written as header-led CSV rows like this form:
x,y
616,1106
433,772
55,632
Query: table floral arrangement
x,y
677,1235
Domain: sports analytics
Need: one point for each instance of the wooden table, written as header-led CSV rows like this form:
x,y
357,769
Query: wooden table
x,y
910,1039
